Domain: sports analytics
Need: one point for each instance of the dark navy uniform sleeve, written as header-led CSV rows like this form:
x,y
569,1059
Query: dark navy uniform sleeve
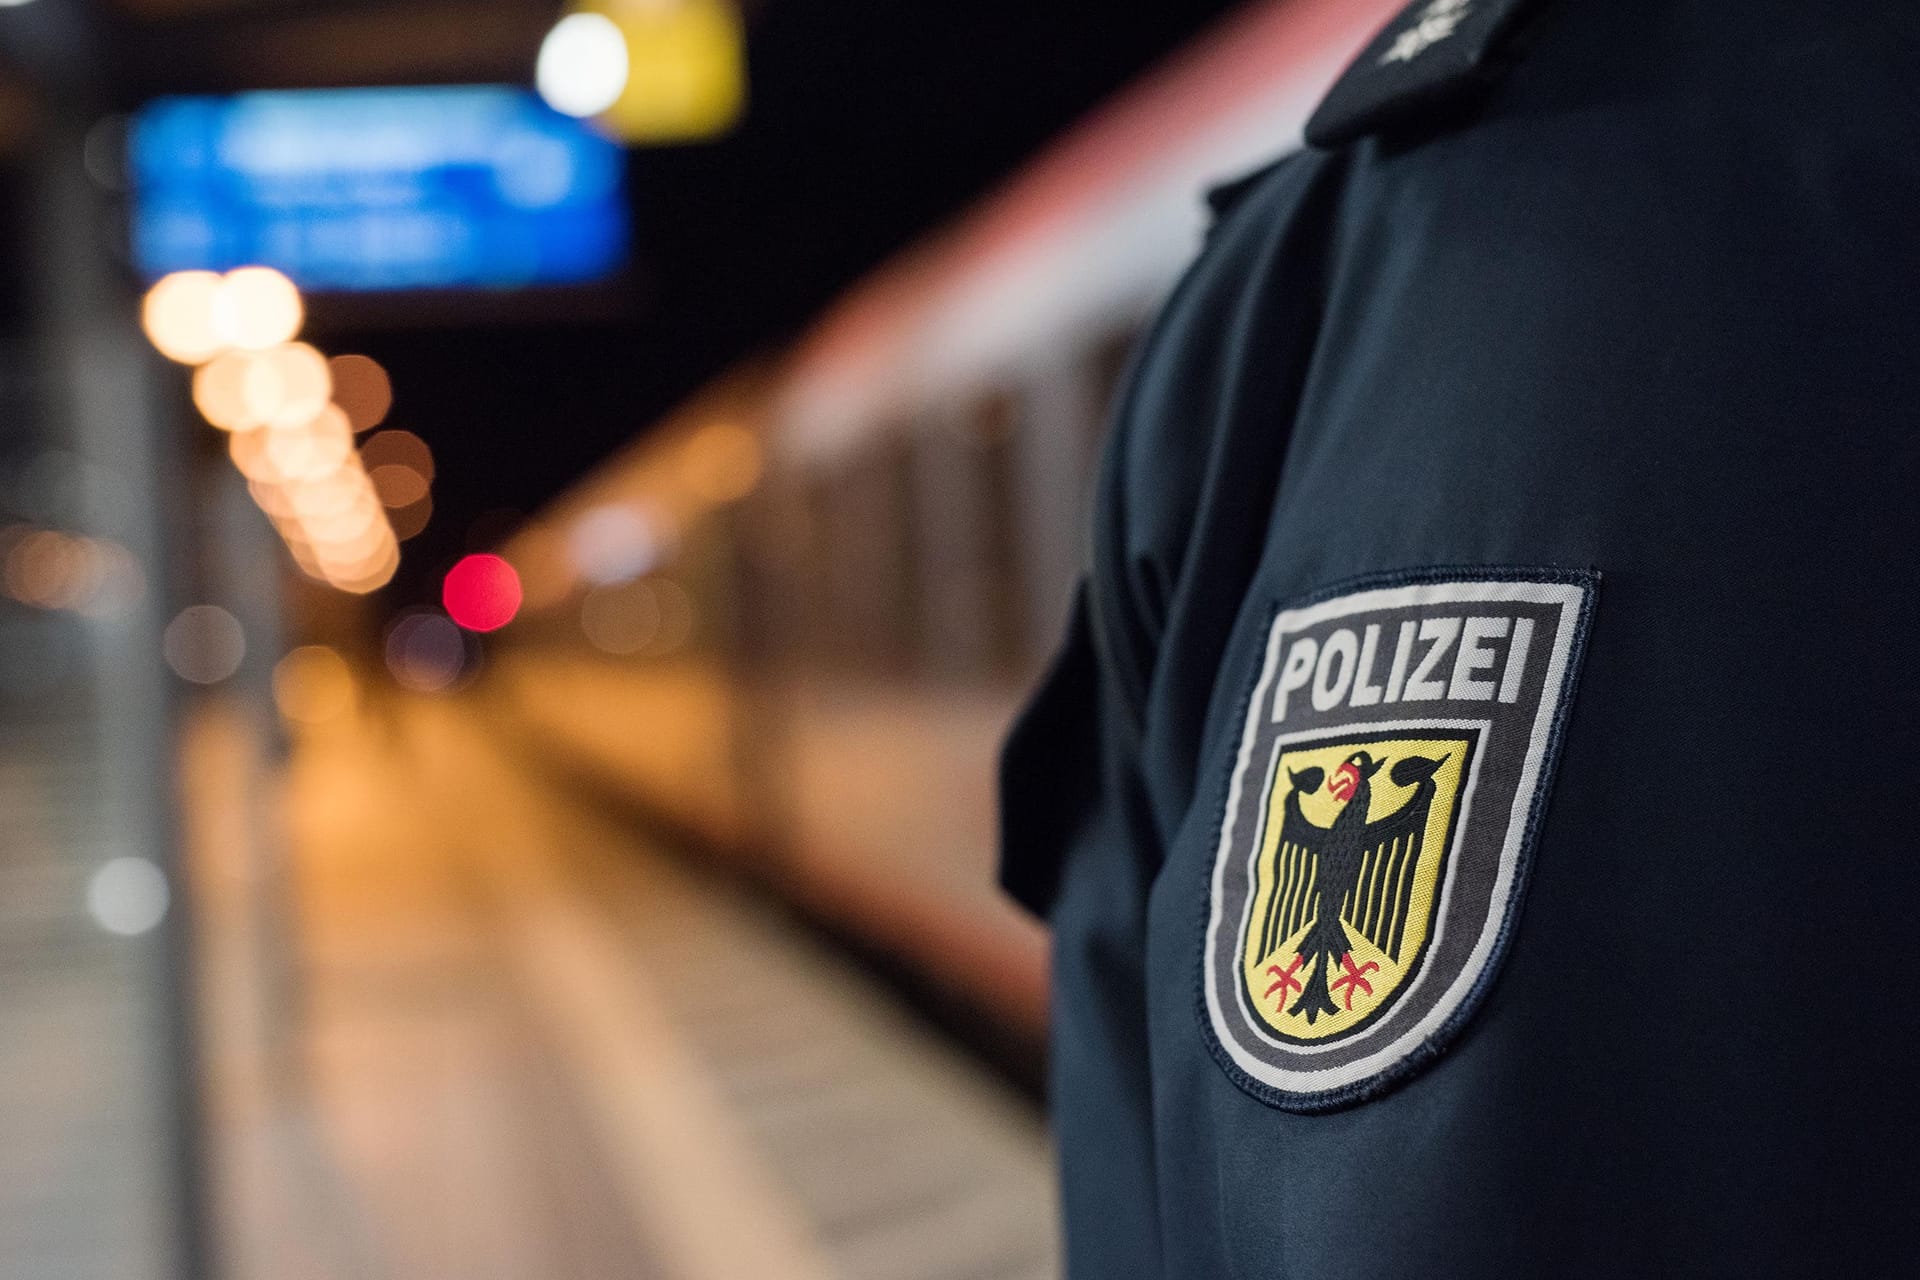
x,y
1472,805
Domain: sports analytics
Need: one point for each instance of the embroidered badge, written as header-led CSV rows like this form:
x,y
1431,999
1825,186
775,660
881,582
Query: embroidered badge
x,y
1378,823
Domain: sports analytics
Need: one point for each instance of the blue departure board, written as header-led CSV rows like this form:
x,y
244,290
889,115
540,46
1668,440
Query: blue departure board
x,y
450,187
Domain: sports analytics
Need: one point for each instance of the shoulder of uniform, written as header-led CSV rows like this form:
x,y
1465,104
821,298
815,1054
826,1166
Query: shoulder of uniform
x,y
1433,54
1223,197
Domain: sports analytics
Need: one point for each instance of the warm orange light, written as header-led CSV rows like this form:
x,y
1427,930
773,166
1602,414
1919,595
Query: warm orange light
x,y
257,308
220,391
369,574
48,569
313,685
348,537
271,498
314,451
303,554
399,448
361,388
365,583
621,619
248,449
410,522
177,314
398,485
283,387
54,570
328,495
722,462
357,555
291,440
287,385
361,525
336,529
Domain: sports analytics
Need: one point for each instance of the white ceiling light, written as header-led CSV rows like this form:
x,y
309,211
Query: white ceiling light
x,y
583,64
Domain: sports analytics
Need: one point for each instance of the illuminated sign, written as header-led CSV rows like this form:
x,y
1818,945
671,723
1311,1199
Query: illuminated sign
x,y
361,189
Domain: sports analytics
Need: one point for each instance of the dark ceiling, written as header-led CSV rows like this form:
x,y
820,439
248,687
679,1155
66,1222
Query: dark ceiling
x,y
870,121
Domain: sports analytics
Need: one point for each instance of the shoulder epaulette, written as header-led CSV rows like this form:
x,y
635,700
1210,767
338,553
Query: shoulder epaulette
x,y
1433,54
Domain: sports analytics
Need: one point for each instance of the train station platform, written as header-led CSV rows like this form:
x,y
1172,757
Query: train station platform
x,y
459,1021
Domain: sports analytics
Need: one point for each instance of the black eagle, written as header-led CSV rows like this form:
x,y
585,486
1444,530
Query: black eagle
x,y
1360,870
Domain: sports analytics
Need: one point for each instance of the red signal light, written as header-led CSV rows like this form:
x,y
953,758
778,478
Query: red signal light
x,y
481,593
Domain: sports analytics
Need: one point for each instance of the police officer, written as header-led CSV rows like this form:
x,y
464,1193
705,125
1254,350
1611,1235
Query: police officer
x,y
1478,802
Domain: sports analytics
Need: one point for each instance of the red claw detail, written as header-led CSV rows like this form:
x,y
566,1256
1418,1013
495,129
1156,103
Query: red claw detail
x,y
1287,981
1354,977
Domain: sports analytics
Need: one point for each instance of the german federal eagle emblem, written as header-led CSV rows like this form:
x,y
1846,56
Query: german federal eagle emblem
x,y
1347,879
1379,822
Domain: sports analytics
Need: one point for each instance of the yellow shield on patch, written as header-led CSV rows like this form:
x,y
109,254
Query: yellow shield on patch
x,y
1348,871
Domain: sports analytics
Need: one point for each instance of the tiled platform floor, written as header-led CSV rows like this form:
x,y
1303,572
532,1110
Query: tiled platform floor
x,y
462,1027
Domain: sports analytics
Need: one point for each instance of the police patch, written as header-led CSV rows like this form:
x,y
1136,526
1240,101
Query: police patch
x,y
1378,823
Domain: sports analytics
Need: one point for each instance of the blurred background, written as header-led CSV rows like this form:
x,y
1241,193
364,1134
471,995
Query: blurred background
x,y
521,530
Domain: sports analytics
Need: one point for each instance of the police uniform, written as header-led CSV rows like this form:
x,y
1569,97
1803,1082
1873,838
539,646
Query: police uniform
x,y
1477,802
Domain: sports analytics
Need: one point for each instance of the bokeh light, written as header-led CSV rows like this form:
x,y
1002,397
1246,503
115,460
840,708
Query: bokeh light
x,y
582,66
411,521
352,533
220,391
365,573
52,570
321,496
290,439
346,546
47,569
128,896
283,387
313,685
314,451
117,582
722,462
256,308
616,542
621,619
481,592
398,448
425,652
311,483
204,644
287,385
248,449
362,390
177,315
398,485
